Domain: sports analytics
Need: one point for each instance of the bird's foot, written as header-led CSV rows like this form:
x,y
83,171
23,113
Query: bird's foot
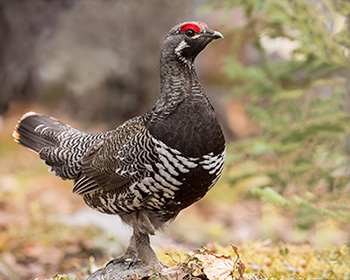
x,y
130,260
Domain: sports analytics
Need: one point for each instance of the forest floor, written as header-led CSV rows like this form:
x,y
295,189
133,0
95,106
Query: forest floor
x,y
46,230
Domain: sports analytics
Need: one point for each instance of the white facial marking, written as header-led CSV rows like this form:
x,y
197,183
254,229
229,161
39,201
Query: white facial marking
x,y
178,51
180,47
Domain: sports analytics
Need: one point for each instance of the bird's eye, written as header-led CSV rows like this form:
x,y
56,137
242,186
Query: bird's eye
x,y
190,32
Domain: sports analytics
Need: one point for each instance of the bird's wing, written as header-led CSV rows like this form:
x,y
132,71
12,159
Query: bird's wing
x,y
117,159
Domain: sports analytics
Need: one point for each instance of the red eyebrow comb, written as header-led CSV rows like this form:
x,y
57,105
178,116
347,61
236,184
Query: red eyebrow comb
x,y
192,26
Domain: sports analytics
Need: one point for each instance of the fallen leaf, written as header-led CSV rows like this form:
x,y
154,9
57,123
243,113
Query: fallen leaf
x,y
217,267
238,263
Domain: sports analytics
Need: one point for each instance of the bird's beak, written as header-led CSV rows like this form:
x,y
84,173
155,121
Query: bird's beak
x,y
212,34
217,35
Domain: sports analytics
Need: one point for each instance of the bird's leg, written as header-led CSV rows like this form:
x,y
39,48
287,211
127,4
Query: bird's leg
x,y
130,253
145,253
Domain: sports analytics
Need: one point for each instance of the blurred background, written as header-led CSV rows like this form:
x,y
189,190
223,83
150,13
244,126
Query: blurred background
x,y
279,82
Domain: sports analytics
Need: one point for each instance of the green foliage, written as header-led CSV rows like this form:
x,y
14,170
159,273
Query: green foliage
x,y
301,103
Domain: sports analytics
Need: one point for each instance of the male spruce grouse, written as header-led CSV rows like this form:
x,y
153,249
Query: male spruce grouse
x,y
152,166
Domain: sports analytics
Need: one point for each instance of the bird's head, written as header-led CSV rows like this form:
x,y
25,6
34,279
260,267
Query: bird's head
x,y
186,40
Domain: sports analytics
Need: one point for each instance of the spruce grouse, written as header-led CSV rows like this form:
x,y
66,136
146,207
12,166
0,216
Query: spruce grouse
x,y
152,166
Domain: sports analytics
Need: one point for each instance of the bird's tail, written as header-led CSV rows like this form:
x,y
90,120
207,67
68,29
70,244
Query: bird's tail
x,y
59,145
29,131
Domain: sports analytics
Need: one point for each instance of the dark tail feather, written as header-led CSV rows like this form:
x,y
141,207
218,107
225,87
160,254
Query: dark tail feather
x,y
25,131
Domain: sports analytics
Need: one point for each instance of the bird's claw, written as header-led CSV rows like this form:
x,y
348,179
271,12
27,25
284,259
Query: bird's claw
x,y
123,259
132,261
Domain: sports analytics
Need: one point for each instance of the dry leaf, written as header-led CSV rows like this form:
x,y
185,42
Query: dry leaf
x,y
221,267
238,263
217,267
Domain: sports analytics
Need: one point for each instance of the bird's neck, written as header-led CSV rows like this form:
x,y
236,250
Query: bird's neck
x,y
178,80
176,75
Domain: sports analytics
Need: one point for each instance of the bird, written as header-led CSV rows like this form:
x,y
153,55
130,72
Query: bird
x,y
152,166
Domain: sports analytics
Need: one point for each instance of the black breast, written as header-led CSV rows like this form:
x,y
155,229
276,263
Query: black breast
x,y
192,128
